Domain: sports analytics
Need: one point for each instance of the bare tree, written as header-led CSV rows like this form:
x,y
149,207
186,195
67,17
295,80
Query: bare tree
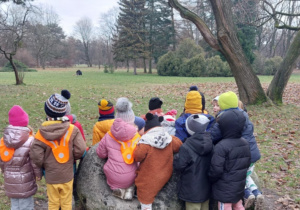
x,y
107,28
282,20
84,31
45,35
13,26
227,43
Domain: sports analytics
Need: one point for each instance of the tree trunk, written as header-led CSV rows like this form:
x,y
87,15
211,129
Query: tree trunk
x,y
150,65
127,64
145,65
281,78
250,89
18,81
134,67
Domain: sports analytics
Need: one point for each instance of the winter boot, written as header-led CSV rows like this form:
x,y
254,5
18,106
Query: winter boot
x,y
249,199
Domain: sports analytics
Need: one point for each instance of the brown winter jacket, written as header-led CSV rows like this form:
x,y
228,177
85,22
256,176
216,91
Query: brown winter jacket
x,y
155,170
19,173
41,154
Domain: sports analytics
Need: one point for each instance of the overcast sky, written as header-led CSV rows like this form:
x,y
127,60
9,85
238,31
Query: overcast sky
x,y
70,11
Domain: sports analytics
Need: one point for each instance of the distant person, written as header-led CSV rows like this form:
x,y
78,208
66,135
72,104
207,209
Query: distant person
x,y
78,73
229,101
155,154
117,146
230,161
55,147
194,103
105,120
19,171
193,162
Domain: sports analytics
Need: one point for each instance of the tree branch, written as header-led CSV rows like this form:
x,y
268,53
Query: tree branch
x,y
200,24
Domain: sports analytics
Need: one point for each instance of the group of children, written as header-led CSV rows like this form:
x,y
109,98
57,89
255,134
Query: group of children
x,y
215,155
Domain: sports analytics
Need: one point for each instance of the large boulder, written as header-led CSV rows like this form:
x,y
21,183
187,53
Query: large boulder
x,y
94,192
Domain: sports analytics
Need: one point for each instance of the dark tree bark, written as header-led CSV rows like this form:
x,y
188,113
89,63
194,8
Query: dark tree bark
x,y
282,76
227,43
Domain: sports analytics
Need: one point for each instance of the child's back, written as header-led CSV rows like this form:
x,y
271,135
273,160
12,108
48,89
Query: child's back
x,y
193,161
230,160
19,172
155,154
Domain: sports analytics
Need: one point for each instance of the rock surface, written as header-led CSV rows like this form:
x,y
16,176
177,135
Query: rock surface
x,y
94,192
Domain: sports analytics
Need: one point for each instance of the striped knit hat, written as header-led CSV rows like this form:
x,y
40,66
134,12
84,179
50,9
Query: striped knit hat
x,y
56,105
105,107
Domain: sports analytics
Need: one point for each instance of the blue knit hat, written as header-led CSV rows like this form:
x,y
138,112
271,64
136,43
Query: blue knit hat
x,y
139,122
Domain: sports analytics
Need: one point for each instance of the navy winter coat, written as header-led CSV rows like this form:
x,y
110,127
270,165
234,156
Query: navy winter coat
x,y
246,134
181,131
193,161
231,159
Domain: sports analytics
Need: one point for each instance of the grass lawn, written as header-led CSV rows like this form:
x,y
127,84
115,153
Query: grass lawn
x,y
276,128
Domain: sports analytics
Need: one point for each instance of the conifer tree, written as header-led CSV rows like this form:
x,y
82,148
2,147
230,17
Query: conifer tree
x,y
130,40
160,29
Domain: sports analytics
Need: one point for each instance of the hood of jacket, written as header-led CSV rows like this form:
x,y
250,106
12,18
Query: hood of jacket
x,y
200,143
15,136
54,131
231,123
122,130
156,137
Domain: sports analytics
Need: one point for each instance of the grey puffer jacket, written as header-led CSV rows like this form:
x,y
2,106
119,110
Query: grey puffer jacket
x,y
19,172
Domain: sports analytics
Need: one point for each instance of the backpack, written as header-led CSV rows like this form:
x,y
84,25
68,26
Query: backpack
x,y
127,151
5,152
60,149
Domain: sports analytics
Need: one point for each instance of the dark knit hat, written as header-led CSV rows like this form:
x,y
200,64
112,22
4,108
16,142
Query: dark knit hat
x,y
139,122
56,105
155,103
196,123
152,121
105,107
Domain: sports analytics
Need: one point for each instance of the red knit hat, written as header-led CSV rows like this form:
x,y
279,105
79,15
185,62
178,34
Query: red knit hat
x,y
17,116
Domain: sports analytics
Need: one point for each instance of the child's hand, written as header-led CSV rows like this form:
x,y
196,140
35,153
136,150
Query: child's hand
x,y
38,178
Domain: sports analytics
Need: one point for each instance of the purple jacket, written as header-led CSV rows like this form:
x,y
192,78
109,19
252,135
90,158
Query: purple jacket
x,y
118,173
19,173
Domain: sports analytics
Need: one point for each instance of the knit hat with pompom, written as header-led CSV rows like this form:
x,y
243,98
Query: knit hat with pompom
x,y
124,110
56,105
152,121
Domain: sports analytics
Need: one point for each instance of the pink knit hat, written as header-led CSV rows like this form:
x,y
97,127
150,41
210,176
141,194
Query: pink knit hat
x,y
17,116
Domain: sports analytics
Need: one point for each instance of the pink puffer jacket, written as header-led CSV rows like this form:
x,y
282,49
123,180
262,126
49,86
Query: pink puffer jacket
x,y
19,173
118,173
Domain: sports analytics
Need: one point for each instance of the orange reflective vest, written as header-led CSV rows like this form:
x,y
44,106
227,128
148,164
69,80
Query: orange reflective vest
x,y
60,149
127,151
5,152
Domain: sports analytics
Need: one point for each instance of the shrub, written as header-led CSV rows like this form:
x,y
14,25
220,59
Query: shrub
x,y
215,67
193,67
105,69
20,66
111,68
188,49
272,65
169,65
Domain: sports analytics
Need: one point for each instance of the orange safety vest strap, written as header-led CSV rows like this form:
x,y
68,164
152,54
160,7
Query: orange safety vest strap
x,y
5,152
60,149
127,152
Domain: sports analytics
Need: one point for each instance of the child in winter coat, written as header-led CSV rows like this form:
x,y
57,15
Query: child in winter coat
x,y
230,161
55,147
228,101
155,154
194,103
193,161
19,171
120,169
216,107
105,120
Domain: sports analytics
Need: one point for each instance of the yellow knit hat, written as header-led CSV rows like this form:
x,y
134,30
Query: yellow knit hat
x,y
228,100
193,102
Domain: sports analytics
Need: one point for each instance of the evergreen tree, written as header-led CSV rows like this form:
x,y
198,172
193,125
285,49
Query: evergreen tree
x,y
130,41
160,29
